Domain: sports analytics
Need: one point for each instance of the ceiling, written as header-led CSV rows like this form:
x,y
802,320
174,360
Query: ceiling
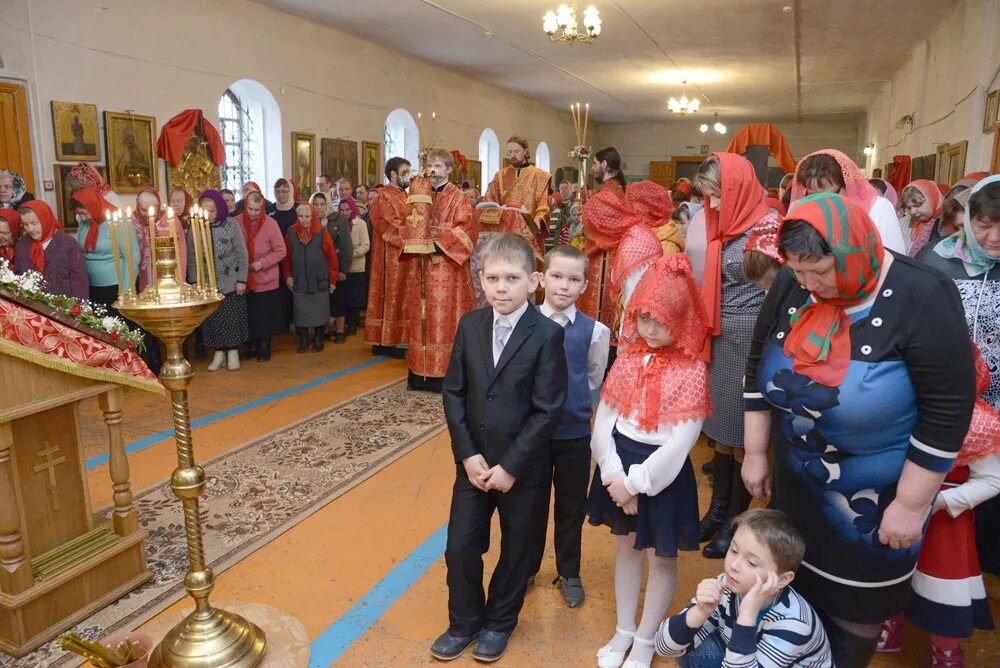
x,y
746,59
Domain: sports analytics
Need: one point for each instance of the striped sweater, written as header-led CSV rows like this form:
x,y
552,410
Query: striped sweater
x,y
789,633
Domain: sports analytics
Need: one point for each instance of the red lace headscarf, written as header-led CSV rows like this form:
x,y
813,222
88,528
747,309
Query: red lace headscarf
x,y
673,386
983,438
920,229
606,219
651,201
856,186
741,206
638,247
764,239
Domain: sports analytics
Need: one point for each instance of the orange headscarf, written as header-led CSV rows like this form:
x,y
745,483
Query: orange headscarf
x,y
920,229
741,205
95,204
49,227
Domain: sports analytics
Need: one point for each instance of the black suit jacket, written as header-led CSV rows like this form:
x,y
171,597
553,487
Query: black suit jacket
x,y
507,413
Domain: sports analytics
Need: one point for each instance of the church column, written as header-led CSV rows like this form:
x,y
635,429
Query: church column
x,y
15,571
125,516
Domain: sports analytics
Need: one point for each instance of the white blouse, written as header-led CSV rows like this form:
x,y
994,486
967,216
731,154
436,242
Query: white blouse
x,y
674,442
983,484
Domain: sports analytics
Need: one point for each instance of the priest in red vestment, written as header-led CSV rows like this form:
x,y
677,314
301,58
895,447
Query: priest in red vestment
x,y
439,236
385,319
606,218
519,185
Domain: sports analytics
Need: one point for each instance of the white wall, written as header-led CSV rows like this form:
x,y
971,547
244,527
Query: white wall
x,y
943,84
639,143
158,57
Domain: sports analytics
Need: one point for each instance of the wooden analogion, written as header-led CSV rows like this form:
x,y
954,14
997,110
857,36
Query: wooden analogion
x,y
59,562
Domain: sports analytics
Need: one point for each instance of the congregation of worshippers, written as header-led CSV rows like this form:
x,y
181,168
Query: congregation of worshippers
x,y
849,326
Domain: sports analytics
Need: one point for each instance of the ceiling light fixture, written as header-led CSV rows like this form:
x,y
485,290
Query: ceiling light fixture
x,y
718,127
683,105
561,25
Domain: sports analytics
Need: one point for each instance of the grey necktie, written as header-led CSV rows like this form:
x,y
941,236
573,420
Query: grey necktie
x,y
500,331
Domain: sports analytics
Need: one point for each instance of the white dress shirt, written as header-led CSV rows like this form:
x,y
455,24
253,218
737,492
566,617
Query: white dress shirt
x,y
600,342
512,320
674,442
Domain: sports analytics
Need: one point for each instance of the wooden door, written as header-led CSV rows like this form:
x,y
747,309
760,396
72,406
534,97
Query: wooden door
x,y
15,139
995,160
662,172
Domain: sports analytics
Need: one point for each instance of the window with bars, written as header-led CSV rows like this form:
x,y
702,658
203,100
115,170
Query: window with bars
x,y
237,132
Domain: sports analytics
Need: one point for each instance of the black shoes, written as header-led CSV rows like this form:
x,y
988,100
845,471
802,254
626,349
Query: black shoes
x,y
264,351
572,591
490,645
253,350
449,647
317,340
303,339
340,338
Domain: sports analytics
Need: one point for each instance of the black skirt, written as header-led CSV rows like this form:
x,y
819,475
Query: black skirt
x,y
667,522
227,327
339,299
356,290
264,315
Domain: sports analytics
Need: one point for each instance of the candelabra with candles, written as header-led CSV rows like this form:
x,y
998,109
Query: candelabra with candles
x,y
170,309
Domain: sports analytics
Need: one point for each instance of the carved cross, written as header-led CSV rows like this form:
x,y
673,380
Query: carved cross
x,y
49,465
415,218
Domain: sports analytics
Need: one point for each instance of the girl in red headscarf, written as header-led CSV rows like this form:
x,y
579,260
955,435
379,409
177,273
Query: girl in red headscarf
x,y
51,252
922,203
10,230
832,171
311,269
654,402
734,206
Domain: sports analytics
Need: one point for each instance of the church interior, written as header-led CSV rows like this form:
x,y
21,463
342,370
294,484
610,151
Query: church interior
x,y
315,487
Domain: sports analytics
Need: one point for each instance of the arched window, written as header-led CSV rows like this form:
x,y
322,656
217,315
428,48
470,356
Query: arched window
x,y
542,160
402,138
489,156
250,125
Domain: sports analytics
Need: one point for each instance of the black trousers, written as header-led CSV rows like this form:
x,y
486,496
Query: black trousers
x,y
570,460
469,610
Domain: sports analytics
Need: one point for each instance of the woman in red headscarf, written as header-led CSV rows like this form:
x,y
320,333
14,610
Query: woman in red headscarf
x,y
10,230
90,208
311,268
149,197
650,415
922,203
833,172
855,378
734,206
51,252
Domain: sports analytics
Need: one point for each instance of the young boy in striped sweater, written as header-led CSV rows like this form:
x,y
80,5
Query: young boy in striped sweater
x,y
750,616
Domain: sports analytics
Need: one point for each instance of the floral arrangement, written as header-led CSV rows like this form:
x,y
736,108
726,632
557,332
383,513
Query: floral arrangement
x,y
28,286
581,152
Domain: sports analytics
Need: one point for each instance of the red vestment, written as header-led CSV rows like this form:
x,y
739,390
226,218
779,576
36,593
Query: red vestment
x,y
606,218
385,320
439,236
526,188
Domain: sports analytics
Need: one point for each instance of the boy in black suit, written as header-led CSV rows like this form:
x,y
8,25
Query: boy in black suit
x,y
503,394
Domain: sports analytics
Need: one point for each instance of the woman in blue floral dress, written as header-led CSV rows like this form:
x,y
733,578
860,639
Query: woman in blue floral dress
x,y
855,378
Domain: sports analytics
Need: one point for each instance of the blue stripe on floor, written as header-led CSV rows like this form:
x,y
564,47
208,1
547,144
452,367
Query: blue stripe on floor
x,y
360,617
143,443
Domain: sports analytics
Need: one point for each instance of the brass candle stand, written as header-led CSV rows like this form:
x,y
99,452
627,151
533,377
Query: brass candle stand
x,y
170,309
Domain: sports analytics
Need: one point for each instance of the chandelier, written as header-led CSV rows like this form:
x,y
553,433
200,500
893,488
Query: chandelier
x,y
561,25
683,105
718,127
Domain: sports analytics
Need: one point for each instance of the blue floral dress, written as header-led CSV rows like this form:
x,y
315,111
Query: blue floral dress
x,y
839,451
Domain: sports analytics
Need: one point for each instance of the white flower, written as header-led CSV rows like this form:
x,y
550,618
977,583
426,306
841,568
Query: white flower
x,y
109,323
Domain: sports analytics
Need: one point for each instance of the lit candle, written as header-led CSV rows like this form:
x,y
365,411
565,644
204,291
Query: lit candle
x,y
152,243
113,235
128,233
586,122
196,240
210,252
172,225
